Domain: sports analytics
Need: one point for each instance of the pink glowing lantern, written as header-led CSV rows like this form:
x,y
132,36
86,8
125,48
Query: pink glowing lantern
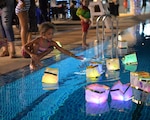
x,y
96,93
121,91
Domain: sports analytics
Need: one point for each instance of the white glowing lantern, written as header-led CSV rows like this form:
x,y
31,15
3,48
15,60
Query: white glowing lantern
x,y
130,59
94,70
113,64
140,80
96,93
122,44
121,91
50,76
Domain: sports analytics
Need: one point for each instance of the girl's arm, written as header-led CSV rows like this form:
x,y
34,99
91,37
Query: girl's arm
x,y
66,51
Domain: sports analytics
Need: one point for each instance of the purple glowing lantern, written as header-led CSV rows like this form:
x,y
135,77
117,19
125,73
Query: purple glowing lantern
x,y
121,91
96,93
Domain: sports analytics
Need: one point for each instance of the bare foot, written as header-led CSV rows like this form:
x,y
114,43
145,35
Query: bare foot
x,y
84,46
32,67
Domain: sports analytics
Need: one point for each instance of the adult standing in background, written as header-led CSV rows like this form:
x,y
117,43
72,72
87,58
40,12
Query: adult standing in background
x,y
6,15
43,5
114,7
144,5
21,10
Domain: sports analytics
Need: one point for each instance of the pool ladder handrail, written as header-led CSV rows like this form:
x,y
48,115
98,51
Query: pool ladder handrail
x,y
103,18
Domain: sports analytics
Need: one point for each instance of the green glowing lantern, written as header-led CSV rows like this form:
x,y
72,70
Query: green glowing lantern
x,y
130,59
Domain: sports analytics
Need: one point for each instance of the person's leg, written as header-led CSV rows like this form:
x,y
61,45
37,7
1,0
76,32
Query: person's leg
x,y
23,20
6,17
85,27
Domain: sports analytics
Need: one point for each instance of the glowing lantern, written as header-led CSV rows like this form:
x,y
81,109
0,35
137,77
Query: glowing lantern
x,y
113,64
96,109
122,44
96,93
130,59
94,70
121,91
122,52
140,80
50,76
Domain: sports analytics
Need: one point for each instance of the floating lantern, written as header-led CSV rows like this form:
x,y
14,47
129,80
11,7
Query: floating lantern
x,y
96,93
113,64
122,44
130,59
121,91
141,97
94,70
50,76
140,80
122,52
96,109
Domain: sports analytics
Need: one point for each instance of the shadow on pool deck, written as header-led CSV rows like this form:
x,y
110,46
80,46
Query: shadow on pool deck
x,y
69,35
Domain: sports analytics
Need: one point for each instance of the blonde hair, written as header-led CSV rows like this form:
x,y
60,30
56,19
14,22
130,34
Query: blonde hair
x,y
44,27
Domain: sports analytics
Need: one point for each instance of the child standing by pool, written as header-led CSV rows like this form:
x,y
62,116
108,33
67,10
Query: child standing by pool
x,y
84,14
43,45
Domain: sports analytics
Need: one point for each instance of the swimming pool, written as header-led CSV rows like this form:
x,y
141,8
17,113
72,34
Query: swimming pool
x,y
22,95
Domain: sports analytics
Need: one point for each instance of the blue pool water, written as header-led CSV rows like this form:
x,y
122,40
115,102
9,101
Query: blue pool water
x,y
22,96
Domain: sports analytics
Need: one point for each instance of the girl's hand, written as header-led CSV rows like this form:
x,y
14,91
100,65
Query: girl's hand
x,y
80,57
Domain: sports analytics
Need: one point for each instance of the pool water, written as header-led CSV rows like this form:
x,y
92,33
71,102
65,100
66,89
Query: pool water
x,y
23,95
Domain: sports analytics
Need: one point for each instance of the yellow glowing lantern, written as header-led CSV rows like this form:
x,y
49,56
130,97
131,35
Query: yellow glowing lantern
x,y
92,71
113,64
50,75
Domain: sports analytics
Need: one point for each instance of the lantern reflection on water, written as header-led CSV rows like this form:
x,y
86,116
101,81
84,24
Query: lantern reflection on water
x,y
121,91
96,109
96,93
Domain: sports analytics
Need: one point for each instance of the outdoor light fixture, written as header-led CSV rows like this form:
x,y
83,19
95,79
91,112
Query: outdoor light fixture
x,y
96,93
130,59
50,76
121,91
113,64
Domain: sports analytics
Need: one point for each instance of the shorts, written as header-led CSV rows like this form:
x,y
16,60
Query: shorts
x,y
85,26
